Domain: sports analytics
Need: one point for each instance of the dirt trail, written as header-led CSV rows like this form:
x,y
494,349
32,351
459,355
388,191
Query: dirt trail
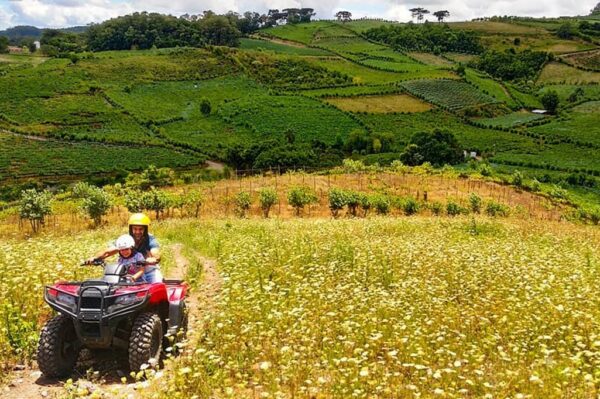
x,y
29,382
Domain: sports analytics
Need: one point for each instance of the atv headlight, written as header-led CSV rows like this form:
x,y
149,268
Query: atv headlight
x,y
127,300
66,299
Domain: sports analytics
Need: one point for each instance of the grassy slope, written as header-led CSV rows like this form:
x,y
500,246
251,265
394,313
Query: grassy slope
x,y
165,87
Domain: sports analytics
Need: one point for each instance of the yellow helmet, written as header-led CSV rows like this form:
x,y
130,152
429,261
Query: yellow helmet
x,y
139,219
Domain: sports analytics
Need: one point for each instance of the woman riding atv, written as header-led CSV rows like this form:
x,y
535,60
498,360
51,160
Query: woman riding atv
x,y
145,243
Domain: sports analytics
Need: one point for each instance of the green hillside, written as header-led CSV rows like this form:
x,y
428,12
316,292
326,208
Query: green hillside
x,y
274,95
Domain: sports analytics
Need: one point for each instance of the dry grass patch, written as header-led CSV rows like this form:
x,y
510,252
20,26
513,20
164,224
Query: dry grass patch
x,y
380,104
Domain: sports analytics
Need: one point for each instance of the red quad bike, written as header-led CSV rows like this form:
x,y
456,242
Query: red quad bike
x,y
110,313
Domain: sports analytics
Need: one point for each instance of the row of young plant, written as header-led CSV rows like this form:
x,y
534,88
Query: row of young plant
x,y
359,203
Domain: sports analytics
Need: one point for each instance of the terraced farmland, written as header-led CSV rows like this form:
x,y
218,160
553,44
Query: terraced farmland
x,y
450,94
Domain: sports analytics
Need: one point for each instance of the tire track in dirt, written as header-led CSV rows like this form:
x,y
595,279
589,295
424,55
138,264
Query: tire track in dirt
x,y
30,383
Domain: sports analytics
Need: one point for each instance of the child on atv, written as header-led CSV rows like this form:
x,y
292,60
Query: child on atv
x,y
129,258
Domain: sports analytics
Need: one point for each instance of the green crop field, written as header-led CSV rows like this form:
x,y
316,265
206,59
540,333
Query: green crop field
x,y
581,124
511,120
281,48
270,117
490,87
448,93
402,127
28,157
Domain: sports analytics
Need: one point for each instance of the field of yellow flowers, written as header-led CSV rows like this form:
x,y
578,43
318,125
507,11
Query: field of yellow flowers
x,y
378,307
388,308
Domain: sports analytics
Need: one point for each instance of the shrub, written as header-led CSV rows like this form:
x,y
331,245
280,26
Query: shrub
x,y
485,170
558,192
410,206
300,196
194,200
133,201
81,190
337,201
243,201
366,203
495,209
352,201
267,197
381,203
205,107
453,209
96,204
517,178
475,203
436,208
35,206
155,200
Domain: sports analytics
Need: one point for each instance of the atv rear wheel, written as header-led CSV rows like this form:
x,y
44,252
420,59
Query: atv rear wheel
x,y
145,341
58,347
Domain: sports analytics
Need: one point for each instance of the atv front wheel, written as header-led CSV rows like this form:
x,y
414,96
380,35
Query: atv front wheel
x,y
58,347
145,341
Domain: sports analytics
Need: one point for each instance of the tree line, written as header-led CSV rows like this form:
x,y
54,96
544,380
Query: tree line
x,y
436,38
143,30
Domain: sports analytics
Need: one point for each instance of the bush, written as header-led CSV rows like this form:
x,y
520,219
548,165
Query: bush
x,y
475,203
205,107
96,204
517,178
267,197
365,202
35,206
194,200
410,206
337,201
81,190
155,200
243,201
495,209
436,208
381,203
300,196
353,201
453,209
557,192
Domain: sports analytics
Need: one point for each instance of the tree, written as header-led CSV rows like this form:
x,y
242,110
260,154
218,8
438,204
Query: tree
x,y
218,30
205,107
3,44
96,204
550,101
566,31
343,16
595,10
440,15
419,13
438,147
267,197
35,206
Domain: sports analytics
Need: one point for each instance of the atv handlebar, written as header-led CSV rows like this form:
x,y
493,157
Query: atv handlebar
x,y
100,262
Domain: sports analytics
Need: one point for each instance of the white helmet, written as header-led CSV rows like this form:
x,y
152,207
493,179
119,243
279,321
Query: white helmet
x,y
125,242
